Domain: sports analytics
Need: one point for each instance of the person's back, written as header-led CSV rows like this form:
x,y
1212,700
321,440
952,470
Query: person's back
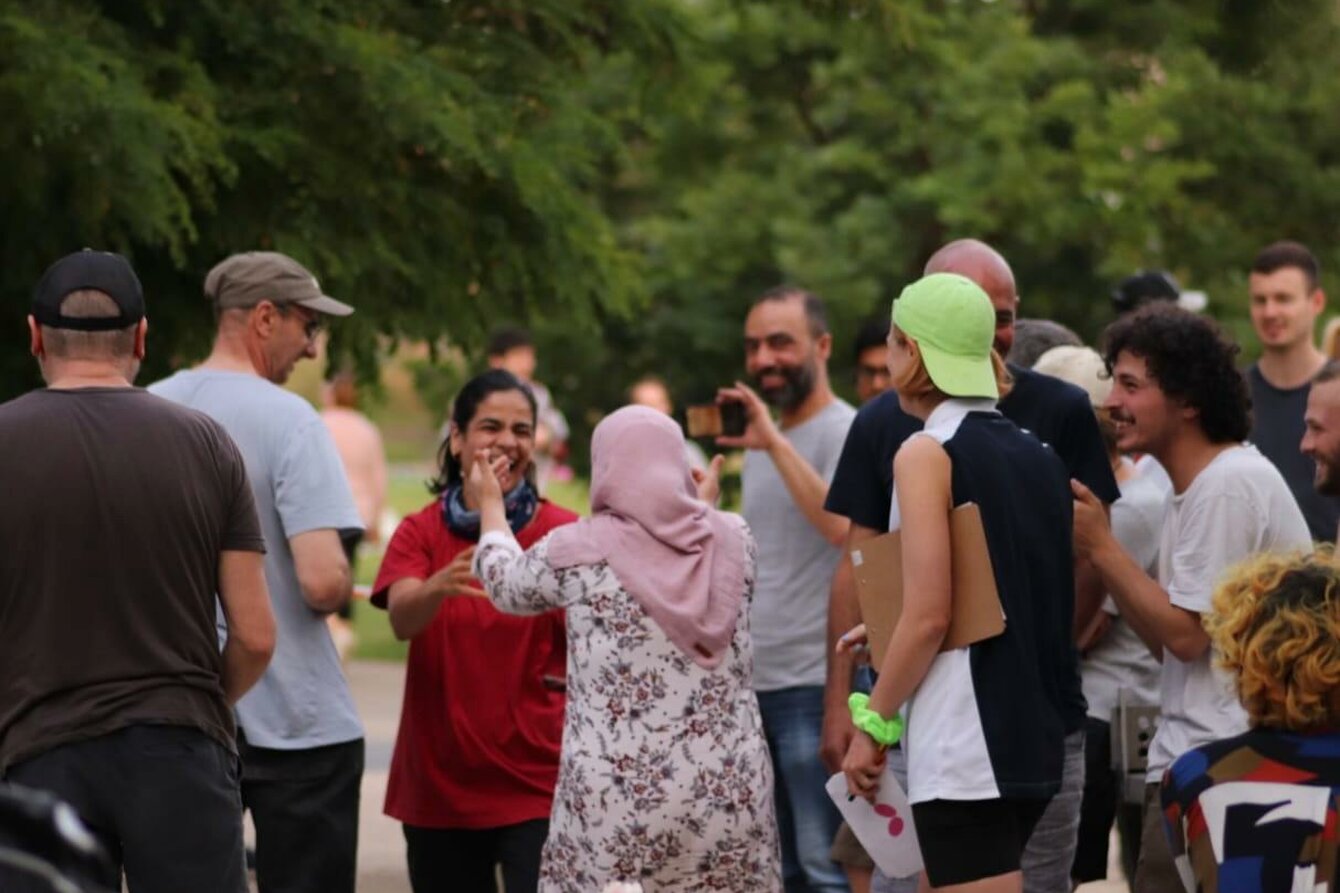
x,y
665,776
1257,812
119,479
128,522
1006,686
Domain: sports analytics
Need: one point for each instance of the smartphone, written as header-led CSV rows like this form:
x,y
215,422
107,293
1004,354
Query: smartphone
x,y
716,419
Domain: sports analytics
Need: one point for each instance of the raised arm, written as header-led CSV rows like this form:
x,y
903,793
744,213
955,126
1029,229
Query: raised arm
x,y
1144,604
807,487
518,582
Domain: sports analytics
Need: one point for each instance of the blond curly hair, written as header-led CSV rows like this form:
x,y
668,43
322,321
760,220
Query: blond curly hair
x,y
1275,624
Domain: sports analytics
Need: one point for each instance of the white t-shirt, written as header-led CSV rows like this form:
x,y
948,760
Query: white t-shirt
x,y
1121,660
1237,506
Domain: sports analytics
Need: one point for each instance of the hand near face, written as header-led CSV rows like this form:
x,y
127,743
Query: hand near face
x,y
481,484
709,480
1092,528
760,430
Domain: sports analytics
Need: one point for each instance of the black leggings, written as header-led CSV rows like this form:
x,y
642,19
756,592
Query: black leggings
x,y
465,859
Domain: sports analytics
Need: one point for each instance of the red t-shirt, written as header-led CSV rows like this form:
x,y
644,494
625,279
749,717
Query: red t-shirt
x,y
479,730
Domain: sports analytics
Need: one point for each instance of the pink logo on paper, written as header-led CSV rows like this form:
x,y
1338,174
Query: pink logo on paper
x,y
888,812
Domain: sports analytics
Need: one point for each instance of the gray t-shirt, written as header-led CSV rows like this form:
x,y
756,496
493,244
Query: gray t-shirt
x,y
1236,507
298,482
789,618
1120,659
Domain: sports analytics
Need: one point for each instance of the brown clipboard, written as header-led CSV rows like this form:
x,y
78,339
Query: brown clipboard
x,y
878,568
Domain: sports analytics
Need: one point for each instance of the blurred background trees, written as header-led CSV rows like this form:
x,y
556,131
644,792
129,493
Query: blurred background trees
x,y
624,177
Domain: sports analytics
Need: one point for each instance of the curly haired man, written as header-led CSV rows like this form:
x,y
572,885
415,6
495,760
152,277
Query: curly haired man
x,y
1177,395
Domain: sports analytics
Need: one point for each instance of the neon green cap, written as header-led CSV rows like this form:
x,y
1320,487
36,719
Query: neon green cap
x,y
953,323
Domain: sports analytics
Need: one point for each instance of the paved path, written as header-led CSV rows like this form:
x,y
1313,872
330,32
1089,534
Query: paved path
x,y
377,688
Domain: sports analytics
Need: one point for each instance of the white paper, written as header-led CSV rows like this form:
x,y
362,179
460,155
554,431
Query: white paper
x,y
884,827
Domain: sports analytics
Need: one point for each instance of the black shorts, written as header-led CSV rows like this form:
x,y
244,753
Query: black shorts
x,y
968,840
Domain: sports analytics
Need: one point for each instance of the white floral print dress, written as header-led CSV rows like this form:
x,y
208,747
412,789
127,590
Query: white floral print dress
x,y
664,777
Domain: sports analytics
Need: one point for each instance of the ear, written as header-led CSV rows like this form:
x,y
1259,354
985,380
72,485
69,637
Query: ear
x,y
141,331
1318,299
263,319
34,337
824,344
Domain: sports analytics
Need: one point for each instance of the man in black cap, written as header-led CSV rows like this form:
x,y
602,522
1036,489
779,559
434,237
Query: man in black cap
x,y
299,733
124,517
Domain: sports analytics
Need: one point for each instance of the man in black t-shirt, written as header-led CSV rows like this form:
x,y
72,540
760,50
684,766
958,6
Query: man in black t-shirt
x,y
1286,299
862,490
127,523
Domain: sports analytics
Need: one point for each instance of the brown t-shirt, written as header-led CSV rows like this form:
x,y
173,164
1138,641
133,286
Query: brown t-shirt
x,y
114,509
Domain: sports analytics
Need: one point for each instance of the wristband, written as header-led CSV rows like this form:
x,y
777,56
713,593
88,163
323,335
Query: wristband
x,y
885,732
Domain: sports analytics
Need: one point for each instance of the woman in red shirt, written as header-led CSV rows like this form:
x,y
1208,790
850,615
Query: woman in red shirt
x,y
476,758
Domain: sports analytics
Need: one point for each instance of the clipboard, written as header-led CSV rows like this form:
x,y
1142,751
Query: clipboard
x,y
878,568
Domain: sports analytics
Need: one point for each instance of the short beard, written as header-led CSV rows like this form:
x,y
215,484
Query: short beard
x,y
799,385
1328,484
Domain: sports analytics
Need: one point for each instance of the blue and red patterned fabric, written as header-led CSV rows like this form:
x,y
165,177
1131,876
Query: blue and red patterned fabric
x,y
1256,813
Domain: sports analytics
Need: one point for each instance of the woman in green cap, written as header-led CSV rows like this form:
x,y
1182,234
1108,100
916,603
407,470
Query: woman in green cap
x,y
983,722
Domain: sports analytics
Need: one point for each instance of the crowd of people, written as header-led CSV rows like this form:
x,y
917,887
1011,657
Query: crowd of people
x,y
656,694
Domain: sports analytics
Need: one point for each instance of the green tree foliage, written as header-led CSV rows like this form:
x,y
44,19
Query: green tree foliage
x,y
435,163
836,145
625,177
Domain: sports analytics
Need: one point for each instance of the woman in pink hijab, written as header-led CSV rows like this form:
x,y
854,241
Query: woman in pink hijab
x,y
664,778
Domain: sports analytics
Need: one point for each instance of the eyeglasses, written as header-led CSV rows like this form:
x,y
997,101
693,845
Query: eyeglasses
x,y
312,322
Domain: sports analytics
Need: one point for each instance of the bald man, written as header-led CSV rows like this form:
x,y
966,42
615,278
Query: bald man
x,y
862,491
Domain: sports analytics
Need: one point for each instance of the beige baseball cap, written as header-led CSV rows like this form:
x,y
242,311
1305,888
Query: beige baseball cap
x,y
244,280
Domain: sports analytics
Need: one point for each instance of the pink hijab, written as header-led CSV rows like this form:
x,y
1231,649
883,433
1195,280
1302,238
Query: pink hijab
x,y
682,560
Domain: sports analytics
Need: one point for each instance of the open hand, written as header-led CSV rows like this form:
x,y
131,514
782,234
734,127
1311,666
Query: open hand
x,y
760,430
456,578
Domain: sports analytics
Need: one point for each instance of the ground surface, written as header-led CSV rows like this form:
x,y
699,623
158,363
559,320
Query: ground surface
x,y
377,687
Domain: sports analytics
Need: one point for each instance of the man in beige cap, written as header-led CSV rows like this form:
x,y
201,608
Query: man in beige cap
x,y
299,735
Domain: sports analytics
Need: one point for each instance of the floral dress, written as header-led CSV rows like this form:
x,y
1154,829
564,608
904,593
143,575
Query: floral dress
x,y
664,777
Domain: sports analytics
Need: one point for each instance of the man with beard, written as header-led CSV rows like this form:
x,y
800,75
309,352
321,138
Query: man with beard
x,y
1060,414
785,478
1177,395
1321,434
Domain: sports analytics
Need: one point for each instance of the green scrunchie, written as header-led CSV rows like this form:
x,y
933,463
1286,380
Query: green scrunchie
x,y
885,732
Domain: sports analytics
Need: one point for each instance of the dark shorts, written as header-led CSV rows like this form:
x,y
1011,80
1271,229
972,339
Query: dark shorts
x,y
969,840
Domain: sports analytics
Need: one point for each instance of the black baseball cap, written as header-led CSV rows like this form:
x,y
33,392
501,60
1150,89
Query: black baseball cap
x,y
1143,287
101,271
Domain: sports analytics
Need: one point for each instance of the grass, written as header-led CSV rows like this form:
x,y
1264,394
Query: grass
x,y
406,494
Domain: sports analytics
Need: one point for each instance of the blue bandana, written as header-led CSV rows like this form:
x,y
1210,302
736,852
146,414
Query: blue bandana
x,y
520,504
